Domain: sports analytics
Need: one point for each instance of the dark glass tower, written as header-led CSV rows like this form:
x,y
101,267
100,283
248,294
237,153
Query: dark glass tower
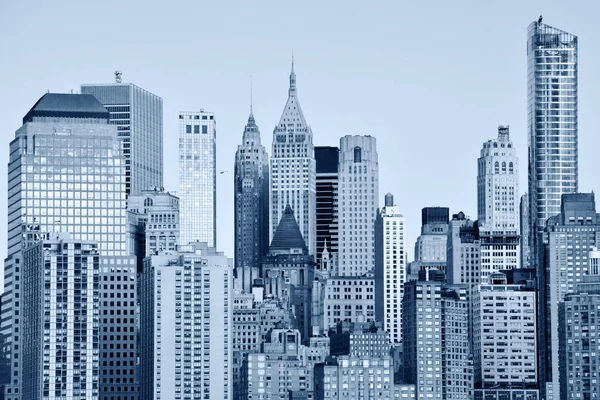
x,y
326,158
251,206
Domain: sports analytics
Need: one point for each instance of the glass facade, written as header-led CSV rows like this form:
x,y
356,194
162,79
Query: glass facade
x,y
197,177
552,121
138,115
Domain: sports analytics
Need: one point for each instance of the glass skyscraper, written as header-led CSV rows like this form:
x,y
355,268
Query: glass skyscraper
x,y
65,173
197,177
138,115
552,122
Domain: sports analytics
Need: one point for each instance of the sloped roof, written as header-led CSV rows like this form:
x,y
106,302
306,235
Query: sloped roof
x,y
288,236
67,105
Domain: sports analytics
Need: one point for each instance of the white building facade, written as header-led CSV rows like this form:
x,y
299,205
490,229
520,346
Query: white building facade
x,y
293,170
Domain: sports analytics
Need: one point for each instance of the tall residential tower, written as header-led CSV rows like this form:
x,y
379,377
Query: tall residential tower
x,y
552,122
293,169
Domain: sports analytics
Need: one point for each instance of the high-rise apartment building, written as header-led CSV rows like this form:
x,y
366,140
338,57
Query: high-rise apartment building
x,y
251,191
138,116
552,122
358,204
65,173
60,319
153,219
498,205
327,159
498,185
578,326
504,337
186,325
198,177
437,353
293,169
568,237
390,268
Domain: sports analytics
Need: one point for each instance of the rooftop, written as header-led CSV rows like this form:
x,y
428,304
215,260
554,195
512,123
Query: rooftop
x,y
67,105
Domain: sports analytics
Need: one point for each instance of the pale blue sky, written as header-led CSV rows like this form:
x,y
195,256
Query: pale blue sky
x,y
430,80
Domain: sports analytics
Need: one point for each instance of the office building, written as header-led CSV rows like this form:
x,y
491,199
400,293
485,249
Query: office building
x,y
118,324
186,325
153,219
293,169
327,159
498,185
525,225
431,245
504,336
390,268
138,116
288,272
198,177
358,204
578,326
437,354
350,299
65,173
498,205
278,369
60,319
551,122
568,237
251,191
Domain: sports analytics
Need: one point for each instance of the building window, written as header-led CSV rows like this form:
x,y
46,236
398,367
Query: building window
x,y
188,129
357,154
196,128
204,129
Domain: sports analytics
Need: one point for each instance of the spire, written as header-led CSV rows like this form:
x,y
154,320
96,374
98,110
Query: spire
x,y
287,235
292,79
251,110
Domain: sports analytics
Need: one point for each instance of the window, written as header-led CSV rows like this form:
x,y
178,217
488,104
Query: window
x,y
188,129
357,154
496,167
204,129
196,128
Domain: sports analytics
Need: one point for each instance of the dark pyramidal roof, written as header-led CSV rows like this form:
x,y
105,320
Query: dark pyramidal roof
x,y
288,236
67,105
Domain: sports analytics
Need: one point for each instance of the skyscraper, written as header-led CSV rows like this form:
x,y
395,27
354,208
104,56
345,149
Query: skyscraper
x,y
498,184
66,173
197,177
552,122
186,325
358,204
293,176
498,205
251,191
431,245
60,325
138,115
390,268
569,238
327,159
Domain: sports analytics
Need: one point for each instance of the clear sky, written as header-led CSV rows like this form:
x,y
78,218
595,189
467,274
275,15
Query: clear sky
x,y
431,80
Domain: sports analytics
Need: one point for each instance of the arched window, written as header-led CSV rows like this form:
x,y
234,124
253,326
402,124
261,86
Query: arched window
x,y
497,167
503,167
148,202
510,168
357,154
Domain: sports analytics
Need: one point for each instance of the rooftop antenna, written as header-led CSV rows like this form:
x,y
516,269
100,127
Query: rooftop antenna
x,y
251,110
118,75
540,19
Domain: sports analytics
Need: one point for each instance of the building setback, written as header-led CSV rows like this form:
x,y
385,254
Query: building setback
x,y
198,177
138,115
251,191
327,159
293,169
